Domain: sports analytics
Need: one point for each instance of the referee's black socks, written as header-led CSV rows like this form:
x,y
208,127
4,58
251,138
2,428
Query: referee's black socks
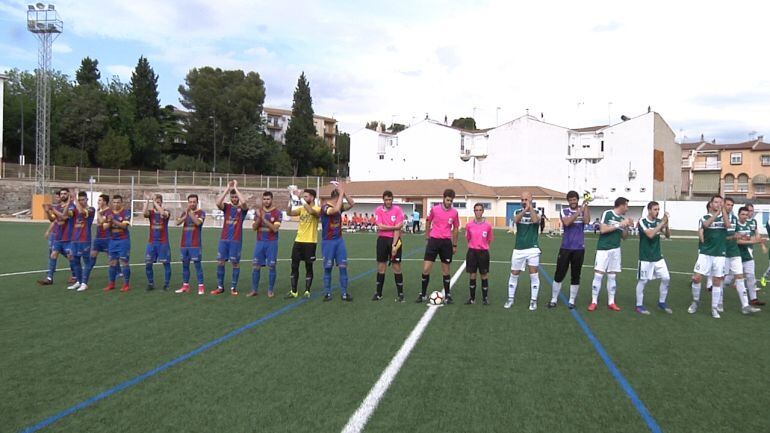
x,y
380,283
399,283
472,287
425,282
447,280
485,288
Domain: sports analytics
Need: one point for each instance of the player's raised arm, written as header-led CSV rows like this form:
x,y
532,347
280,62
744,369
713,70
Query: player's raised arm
x,y
221,198
666,226
148,205
350,203
290,210
241,200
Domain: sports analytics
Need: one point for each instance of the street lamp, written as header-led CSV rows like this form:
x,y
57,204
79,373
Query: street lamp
x,y
214,139
230,152
83,141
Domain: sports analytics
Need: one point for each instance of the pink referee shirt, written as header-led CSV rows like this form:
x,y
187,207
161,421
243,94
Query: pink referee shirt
x,y
393,217
479,235
443,221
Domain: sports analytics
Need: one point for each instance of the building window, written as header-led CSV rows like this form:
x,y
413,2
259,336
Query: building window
x,y
759,188
458,205
743,183
486,205
765,160
729,183
602,145
382,156
736,158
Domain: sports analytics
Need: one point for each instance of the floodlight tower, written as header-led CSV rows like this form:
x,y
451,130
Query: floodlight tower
x,y
44,22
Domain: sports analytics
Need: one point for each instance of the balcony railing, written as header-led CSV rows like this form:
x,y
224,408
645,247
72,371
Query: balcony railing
x,y
707,165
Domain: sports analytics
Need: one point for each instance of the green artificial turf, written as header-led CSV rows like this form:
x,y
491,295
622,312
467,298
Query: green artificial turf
x,y
307,365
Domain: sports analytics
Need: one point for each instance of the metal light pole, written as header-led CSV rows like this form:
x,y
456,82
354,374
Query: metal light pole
x,y
214,140
44,22
21,132
230,152
83,141
497,116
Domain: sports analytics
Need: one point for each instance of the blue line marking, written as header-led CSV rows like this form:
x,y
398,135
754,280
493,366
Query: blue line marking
x,y
638,403
129,383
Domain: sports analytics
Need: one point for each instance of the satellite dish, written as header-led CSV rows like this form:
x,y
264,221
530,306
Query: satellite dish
x,y
624,118
40,6
465,157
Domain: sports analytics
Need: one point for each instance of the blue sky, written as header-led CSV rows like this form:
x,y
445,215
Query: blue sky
x,y
703,69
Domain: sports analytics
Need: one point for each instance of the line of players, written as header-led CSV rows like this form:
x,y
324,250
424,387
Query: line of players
x,y
725,247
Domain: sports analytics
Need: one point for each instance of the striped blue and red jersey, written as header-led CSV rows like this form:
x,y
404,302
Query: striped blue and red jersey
x,y
191,233
101,232
331,225
67,226
158,227
264,233
232,230
83,221
119,233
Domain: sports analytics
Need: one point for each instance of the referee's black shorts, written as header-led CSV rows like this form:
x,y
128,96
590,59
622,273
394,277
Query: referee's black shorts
x,y
384,248
477,261
439,247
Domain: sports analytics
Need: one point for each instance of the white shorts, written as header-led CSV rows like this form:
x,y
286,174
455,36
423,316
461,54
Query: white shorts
x,y
710,266
733,265
748,268
523,258
653,270
608,260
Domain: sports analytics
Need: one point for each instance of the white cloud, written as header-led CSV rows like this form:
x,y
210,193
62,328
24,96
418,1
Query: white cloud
x,y
122,71
61,48
442,58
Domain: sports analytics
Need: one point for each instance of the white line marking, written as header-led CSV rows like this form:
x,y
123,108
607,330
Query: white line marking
x,y
361,416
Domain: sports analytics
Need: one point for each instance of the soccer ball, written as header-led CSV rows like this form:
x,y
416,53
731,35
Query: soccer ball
x,y
587,196
436,298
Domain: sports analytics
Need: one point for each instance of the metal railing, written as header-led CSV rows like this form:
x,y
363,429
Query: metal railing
x,y
707,165
160,177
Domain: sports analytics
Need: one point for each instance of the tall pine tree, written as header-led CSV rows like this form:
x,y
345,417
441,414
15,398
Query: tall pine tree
x,y
300,133
144,88
88,73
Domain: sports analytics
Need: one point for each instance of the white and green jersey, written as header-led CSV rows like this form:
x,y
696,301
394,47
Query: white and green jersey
x,y
611,240
714,242
753,226
745,230
649,249
731,249
526,231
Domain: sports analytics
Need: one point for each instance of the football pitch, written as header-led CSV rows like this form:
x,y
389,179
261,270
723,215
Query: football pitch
x,y
162,362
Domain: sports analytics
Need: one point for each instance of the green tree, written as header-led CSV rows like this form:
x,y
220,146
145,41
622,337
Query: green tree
x,y
18,102
147,149
88,74
301,131
374,124
464,123
343,154
396,128
219,102
114,150
82,123
144,89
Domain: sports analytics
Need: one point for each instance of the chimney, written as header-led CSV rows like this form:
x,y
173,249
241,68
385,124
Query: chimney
x,y
451,176
701,137
760,138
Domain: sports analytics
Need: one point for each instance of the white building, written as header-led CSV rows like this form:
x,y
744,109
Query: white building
x,y
637,158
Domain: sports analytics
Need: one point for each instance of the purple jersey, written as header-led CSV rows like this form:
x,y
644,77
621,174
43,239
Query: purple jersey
x,y
574,238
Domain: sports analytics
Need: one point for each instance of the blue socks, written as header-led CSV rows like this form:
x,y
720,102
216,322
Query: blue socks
x,y
199,271
167,274
271,279
236,276
150,274
328,280
51,267
344,280
255,274
220,275
186,272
